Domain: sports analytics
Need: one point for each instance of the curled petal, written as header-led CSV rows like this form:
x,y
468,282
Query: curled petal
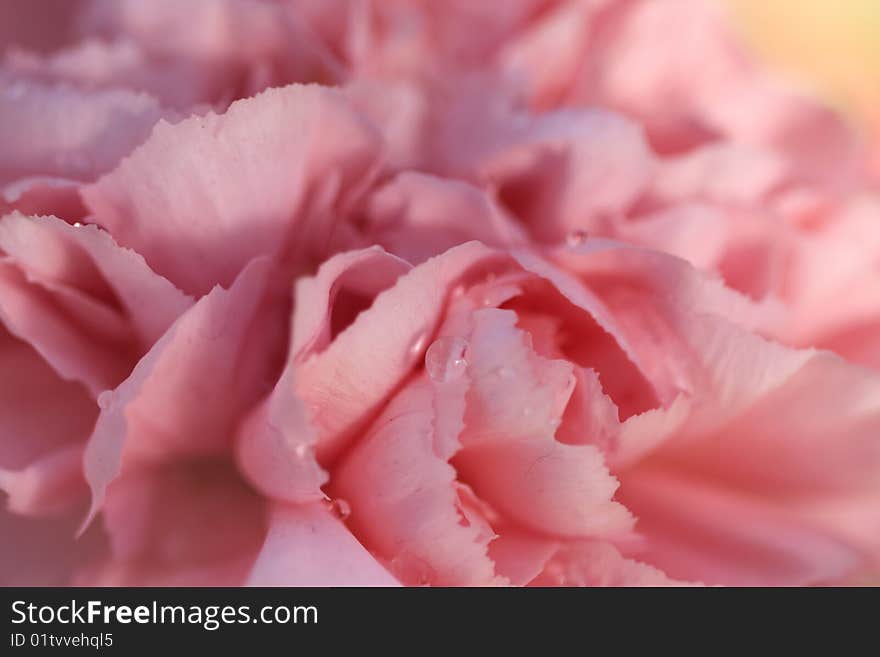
x,y
510,455
203,197
404,505
275,447
64,133
355,374
184,398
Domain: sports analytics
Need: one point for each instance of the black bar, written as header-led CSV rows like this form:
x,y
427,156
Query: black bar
x,y
589,620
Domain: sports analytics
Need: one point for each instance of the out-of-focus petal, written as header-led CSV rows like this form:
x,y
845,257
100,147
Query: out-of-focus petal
x,y
185,397
181,524
223,49
44,423
308,546
418,216
45,551
564,170
87,258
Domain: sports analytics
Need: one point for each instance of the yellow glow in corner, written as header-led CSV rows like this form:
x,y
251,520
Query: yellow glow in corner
x,y
833,45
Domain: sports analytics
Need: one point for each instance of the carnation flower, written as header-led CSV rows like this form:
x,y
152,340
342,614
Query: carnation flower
x,y
414,293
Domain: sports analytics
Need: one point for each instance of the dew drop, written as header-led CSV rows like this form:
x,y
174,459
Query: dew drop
x,y
77,224
339,508
418,345
105,399
445,359
301,450
577,237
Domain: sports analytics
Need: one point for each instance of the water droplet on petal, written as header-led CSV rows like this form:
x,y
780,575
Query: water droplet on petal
x,y
418,345
301,450
577,237
77,224
339,508
445,359
105,399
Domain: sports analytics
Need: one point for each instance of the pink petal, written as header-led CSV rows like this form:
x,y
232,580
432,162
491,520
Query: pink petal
x,y
728,512
595,563
38,24
343,286
591,416
679,321
620,277
603,344
565,170
837,267
762,404
186,395
552,50
184,524
355,374
418,216
44,422
64,133
521,557
300,151
94,64
76,350
43,196
403,500
44,551
275,447
699,530
50,484
88,259
646,51
36,381
308,546
698,233
726,173
221,49
88,306
510,456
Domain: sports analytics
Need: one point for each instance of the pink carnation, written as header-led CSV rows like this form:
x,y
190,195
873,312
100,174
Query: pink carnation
x,y
543,292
